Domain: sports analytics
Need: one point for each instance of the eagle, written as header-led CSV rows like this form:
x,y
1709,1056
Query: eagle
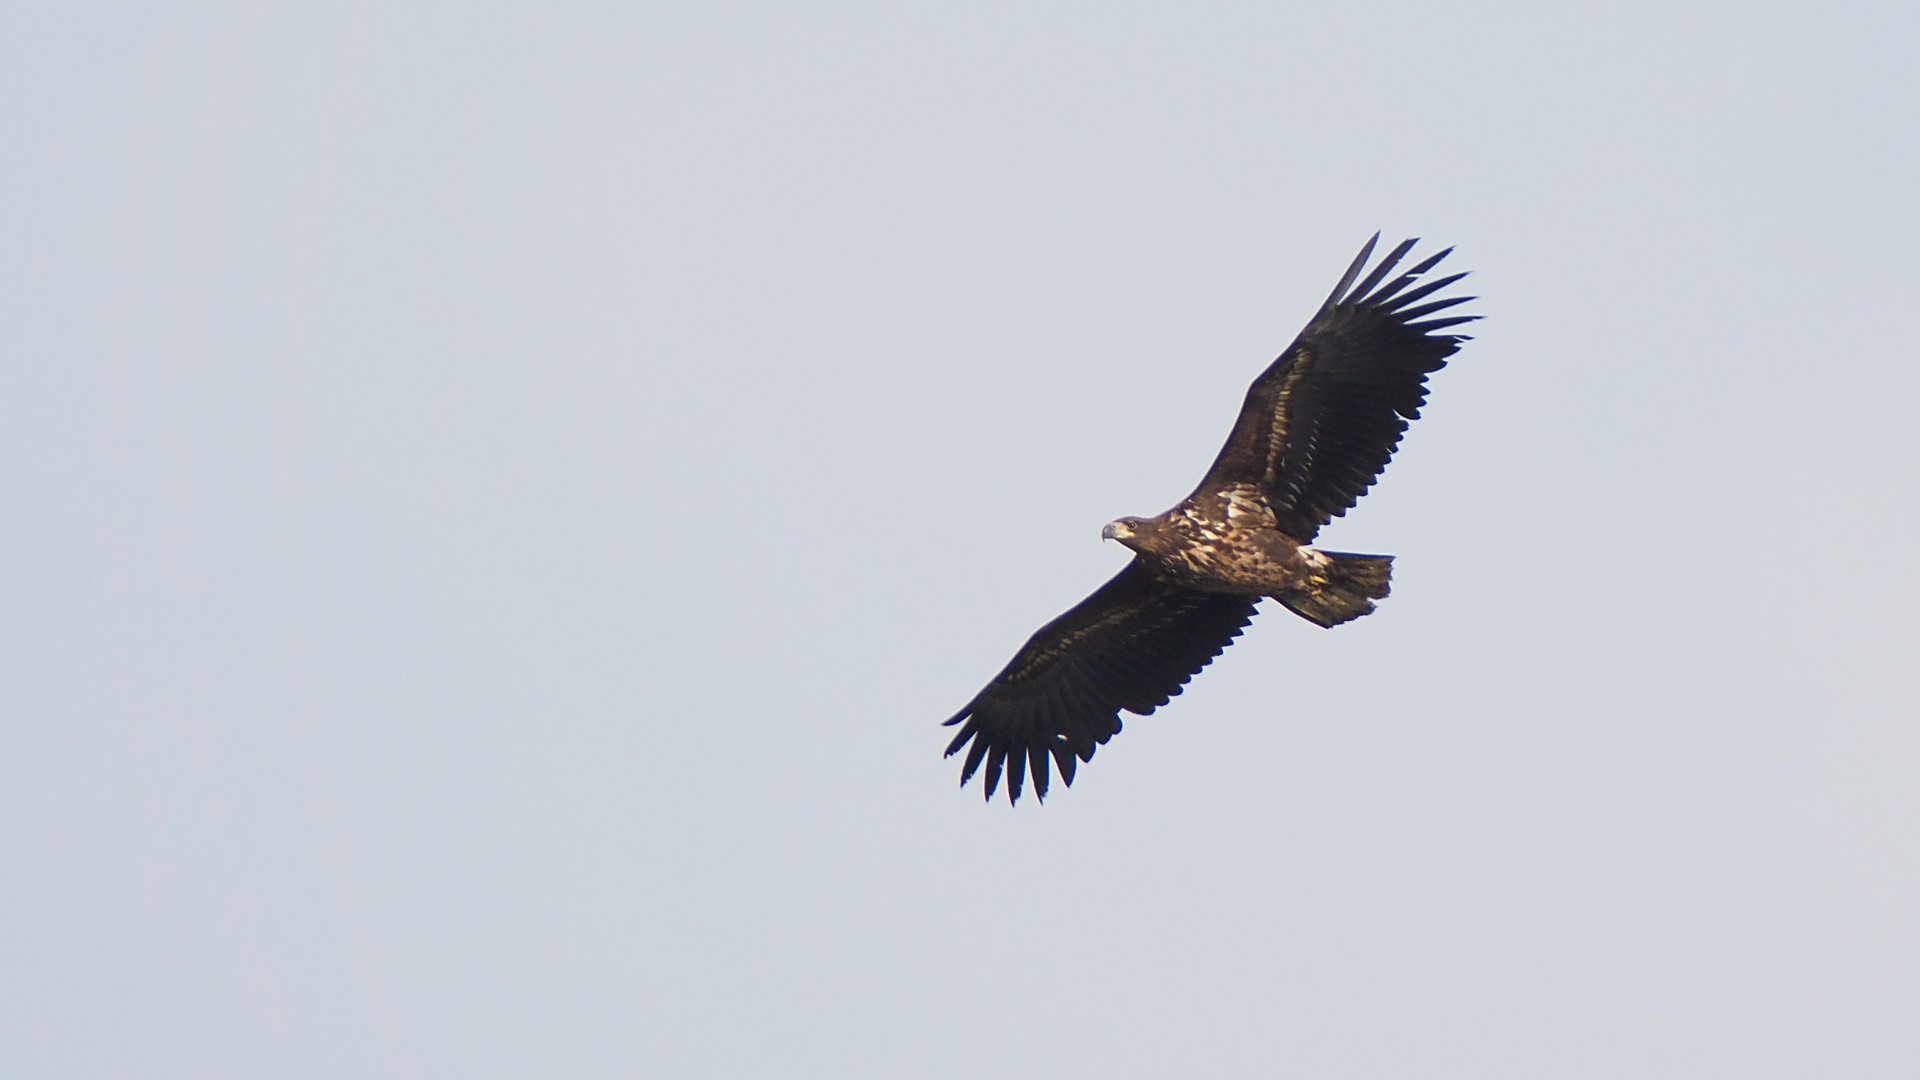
x,y
1316,430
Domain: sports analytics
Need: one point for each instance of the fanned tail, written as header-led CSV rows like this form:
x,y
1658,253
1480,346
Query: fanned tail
x,y
1349,586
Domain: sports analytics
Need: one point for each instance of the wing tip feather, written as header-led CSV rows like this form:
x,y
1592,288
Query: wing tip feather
x,y
1353,271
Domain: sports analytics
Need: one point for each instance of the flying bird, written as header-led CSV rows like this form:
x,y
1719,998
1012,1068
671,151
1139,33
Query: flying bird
x,y
1317,428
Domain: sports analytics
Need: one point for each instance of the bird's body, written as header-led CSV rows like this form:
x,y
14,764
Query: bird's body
x,y
1316,429
1228,541
1216,541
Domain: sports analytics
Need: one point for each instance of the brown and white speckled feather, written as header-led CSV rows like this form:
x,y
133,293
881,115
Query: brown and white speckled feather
x,y
1280,416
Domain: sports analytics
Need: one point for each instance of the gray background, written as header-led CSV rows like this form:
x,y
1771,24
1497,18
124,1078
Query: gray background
x,y
495,502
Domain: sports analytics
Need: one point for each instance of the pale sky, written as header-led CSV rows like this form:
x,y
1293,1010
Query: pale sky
x,y
496,501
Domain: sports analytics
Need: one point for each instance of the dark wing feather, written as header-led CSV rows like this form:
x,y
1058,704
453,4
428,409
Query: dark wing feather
x,y
1320,423
1131,645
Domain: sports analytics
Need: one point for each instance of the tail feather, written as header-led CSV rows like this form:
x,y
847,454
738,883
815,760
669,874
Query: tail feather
x,y
1344,590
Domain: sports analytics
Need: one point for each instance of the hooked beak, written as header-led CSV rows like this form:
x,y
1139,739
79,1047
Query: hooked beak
x,y
1117,530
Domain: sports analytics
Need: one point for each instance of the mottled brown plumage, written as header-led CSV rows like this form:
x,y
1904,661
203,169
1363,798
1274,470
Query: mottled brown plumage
x,y
1317,428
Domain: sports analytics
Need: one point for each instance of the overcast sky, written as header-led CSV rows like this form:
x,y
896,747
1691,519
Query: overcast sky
x,y
495,502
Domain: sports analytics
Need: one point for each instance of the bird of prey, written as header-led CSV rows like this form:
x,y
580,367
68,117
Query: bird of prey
x,y
1314,434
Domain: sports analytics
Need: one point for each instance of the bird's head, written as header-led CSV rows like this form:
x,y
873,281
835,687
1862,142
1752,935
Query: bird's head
x,y
1126,530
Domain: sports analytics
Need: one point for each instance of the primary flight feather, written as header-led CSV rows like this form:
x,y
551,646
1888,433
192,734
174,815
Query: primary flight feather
x,y
1317,428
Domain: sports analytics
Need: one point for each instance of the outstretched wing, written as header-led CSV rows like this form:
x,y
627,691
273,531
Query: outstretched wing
x,y
1131,645
1320,423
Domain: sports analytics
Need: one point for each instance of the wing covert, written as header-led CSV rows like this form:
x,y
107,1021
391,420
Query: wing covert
x,y
1131,645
